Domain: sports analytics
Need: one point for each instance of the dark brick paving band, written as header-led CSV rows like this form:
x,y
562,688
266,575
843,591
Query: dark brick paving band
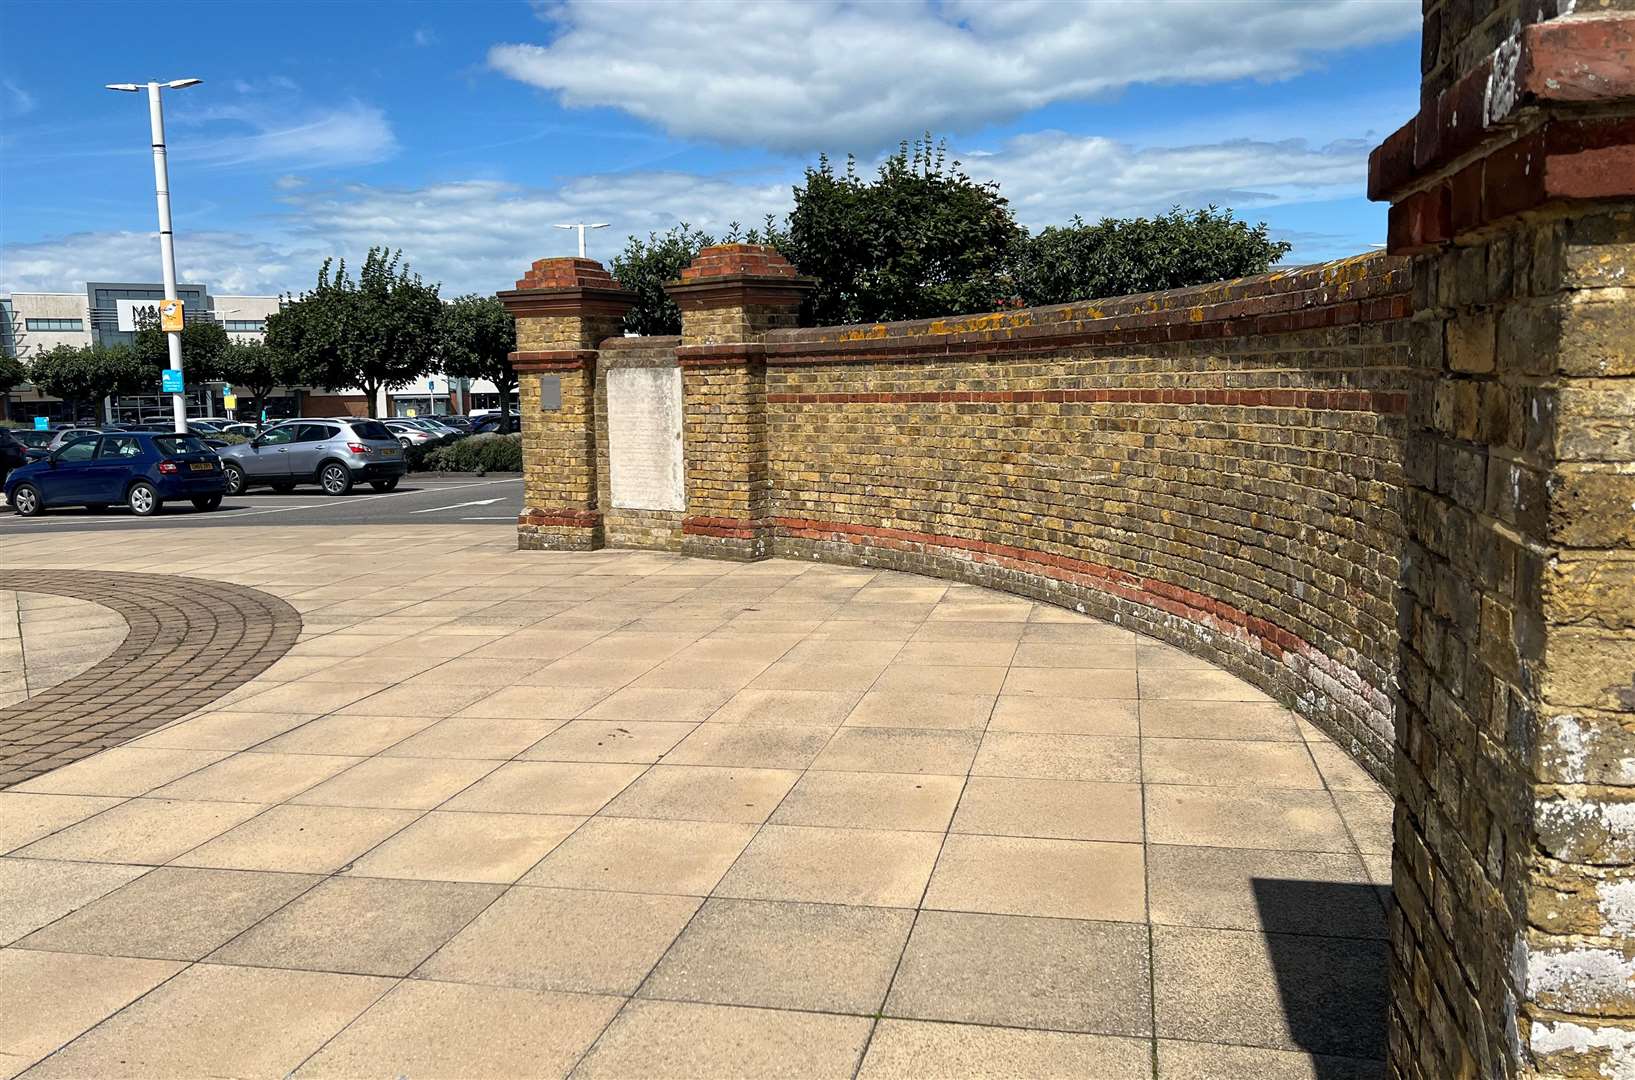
x,y
190,642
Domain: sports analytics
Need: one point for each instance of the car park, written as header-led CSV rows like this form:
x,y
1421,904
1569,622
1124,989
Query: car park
x,y
494,422
35,443
143,470
63,436
408,434
333,453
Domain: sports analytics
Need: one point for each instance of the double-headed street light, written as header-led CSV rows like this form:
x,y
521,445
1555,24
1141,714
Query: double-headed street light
x,y
171,313
582,226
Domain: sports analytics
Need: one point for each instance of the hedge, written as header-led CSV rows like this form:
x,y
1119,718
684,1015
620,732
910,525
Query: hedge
x,y
477,453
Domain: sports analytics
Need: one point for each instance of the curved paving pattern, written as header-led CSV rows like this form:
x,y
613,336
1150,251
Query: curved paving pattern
x,y
620,814
190,642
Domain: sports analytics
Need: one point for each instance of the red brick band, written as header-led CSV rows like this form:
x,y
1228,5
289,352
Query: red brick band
x,y
552,360
1386,403
724,355
1174,599
730,528
561,519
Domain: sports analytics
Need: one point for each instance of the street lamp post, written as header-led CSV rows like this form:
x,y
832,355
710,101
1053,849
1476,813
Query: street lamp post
x,y
581,226
167,245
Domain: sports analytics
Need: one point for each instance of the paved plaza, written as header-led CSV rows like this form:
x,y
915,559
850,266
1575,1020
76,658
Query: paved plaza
x,y
625,814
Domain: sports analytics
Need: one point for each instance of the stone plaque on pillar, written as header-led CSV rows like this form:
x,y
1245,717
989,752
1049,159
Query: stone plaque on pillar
x,y
645,463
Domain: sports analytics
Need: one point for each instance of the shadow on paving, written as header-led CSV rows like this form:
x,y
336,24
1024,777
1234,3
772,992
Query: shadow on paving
x,y
1332,989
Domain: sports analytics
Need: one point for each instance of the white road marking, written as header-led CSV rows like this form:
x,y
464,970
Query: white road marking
x,y
455,506
507,517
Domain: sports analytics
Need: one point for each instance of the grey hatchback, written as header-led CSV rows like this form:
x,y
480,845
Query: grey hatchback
x,y
332,453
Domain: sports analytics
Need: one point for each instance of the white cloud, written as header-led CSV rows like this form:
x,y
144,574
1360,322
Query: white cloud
x,y
349,134
480,235
18,102
842,75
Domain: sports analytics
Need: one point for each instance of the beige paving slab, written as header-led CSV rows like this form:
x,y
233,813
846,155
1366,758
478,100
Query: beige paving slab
x,y
1014,971
299,839
1368,814
1206,684
25,818
1260,720
909,679
704,793
696,674
1228,763
633,741
1058,757
1206,1061
756,746
1322,995
1094,684
311,698
589,670
175,913
441,846
1273,818
911,709
909,801
426,695
653,703
374,667
877,867
899,750
124,770
781,955
1059,809
536,702
228,730
397,783
957,653
1340,771
547,787
1051,654
563,939
1293,892
491,738
917,1050
685,1041
147,830
48,999
34,892
1064,716
799,707
363,926
1015,875
643,855
790,674
240,1022
256,777
448,1029
358,736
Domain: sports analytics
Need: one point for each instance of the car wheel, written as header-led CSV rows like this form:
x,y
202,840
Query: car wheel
x,y
207,502
404,443
234,477
335,478
26,500
384,485
283,488
143,500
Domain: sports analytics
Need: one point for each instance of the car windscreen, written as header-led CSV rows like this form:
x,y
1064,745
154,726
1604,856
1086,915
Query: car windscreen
x,y
372,431
175,445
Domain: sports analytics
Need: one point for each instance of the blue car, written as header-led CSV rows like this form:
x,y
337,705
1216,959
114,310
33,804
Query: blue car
x,y
142,469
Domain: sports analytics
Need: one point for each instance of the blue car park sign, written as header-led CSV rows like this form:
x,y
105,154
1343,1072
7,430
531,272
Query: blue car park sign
x,y
170,381
41,423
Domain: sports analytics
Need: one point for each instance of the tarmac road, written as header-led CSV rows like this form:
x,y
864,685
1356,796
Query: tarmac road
x,y
420,499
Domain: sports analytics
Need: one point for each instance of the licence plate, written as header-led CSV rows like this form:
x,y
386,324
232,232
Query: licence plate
x,y
201,466
388,451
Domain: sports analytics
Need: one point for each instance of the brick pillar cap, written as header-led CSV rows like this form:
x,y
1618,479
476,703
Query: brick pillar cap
x,y
567,273
738,260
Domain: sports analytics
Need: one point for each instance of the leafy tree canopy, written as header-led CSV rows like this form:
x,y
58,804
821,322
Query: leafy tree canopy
x,y
252,369
202,346
1116,257
378,330
85,375
477,340
12,372
645,265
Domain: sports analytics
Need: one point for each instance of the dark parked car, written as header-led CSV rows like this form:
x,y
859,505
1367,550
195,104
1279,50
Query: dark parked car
x,y
141,469
494,422
13,454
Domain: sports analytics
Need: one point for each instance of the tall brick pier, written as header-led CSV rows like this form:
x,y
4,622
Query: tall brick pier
x,y
1397,492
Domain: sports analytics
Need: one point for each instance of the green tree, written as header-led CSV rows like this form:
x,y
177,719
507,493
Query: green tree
x,y
252,369
645,265
477,340
202,347
83,376
12,372
1116,257
920,239
379,330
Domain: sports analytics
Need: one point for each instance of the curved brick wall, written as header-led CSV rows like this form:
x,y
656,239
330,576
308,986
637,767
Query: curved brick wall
x,y
1219,467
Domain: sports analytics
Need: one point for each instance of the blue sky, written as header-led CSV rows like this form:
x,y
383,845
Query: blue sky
x,y
462,131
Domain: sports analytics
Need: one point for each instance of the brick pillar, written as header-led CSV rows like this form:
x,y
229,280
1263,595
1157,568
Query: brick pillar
x,y
730,297
1513,930
564,309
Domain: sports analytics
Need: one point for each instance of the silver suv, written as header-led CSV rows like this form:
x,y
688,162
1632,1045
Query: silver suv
x,y
332,453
